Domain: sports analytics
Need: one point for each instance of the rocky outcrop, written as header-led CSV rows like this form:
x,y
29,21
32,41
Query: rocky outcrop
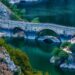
x,y
4,13
7,66
69,64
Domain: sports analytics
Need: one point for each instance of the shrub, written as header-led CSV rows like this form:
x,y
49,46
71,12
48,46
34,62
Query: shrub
x,y
63,45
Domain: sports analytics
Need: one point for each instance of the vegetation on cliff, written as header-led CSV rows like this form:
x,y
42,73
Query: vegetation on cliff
x,y
17,14
20,59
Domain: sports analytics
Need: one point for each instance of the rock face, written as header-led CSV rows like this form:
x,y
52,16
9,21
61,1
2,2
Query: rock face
x,y
4,14
7,66
69,65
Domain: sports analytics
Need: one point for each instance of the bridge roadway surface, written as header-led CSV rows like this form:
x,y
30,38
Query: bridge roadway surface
x,y
28,26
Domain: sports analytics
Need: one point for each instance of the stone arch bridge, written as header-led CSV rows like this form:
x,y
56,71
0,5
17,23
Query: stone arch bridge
x,y
28,26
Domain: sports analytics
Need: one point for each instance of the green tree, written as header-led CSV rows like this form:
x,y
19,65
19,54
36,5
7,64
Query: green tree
x,y
55,52
59,53
2,42
63,45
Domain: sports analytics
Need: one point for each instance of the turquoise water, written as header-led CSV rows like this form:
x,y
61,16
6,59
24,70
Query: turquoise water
x,y
39,55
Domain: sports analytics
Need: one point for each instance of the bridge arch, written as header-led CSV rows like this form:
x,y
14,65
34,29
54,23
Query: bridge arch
x,y
46,32
47,43
17,29
18,32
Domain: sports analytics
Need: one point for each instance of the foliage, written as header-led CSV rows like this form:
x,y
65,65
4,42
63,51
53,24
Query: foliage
x,y
16,13
2,42
60,53
20,59
63,45
35,20
55,52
